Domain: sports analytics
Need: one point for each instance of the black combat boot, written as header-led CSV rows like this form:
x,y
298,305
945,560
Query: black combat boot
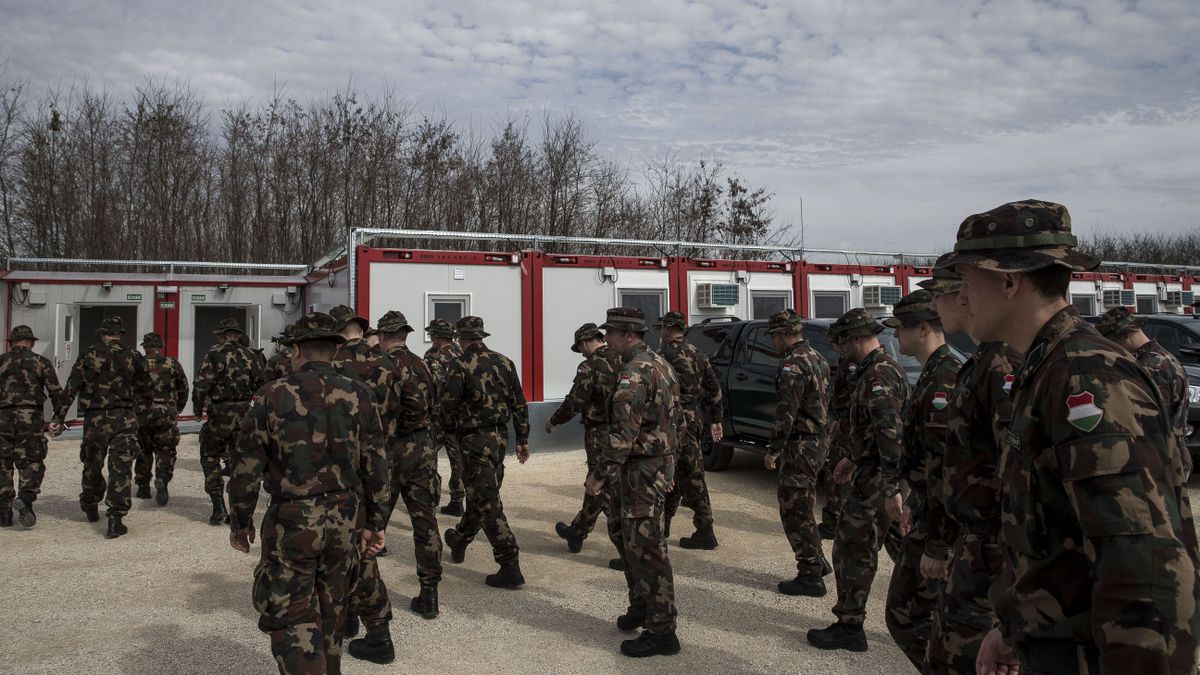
x,y
376,647
649,644
426,604
25,513
143,492
6,517
454,508
115,527
352,626
616,564
803,585
839,636
509,576
826,568
702,539
667,528
632,619
458,548
574,541
91,511
219,515
161,496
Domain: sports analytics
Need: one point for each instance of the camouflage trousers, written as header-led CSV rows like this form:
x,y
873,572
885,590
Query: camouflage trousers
x,y
217,438
594,438
911,599
856,544
112,434
797,501
643,484
23,451
833,491
158,437
483,474
964,614
309,560
690,488
454,453
415,479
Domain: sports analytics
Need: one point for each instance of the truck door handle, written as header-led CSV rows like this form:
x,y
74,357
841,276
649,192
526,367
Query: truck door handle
x,y
741,377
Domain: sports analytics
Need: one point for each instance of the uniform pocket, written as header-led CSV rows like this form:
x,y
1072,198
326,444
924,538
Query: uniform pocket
x,y
1021,526
269,597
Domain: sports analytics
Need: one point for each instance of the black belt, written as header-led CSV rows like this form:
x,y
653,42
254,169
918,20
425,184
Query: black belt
x,y
296,498
1055,656
484,429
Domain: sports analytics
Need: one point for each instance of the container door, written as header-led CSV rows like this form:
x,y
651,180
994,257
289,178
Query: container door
x,y
66,342
253,324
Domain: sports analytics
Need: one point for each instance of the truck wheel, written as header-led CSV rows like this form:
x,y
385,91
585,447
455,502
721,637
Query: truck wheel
x,y
716,455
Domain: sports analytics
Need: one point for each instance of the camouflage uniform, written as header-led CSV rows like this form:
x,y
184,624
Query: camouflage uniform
x,y
158,433
841,389
439,361
26,378
911,597
279,365
324,486
1097,573
700,396
111,382
798,439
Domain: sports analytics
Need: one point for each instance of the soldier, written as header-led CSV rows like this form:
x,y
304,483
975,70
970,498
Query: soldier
x,y
1097,574
26,379
873,471
839,435
700,395
912,596
111,382
329,498
438,357
798,447
244,341
482,393
158,431
228,378
280,363
640,457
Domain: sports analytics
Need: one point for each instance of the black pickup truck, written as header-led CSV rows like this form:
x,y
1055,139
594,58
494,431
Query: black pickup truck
x,y
747,364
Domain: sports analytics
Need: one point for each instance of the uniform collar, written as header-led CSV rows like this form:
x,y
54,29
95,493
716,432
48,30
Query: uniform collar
x,y
873,356
317,366
1146,348
793,348
1052,333
935,360
475,347
629,355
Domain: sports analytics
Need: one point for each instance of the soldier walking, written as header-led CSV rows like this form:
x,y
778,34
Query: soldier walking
x,y
438,357
280,363
26,379
158,429
841,390
329,498
225,383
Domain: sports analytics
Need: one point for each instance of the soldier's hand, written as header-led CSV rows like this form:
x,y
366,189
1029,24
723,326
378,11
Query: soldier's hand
x,y
770,461
593,485
371,543
241,540
906,522
523,453
894,506
718,432
933,568
549,426
995,657
56,429
844,471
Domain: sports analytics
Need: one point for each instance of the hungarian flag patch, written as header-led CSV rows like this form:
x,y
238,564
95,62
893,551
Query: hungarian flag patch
x,y
940,400
1082,412
1008,382
624,383
876,387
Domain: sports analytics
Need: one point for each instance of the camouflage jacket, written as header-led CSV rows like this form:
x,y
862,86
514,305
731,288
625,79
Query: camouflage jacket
x,y
1091,525
439,361
309,434
645,413
168,383
926,419
106,375
1172,381
358,360
279,365
803,388
875,407
26,377
698,384
483,391
967,491
595,380
230,372
412,392
841,391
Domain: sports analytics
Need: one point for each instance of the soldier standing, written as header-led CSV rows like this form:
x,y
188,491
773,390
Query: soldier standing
x,y
839,435
438,357
595,380
158,431
640,458
482,393
323,487
1098,576
700,395
873,471
912,596
798,447
228,378
26,379
280,363
111,382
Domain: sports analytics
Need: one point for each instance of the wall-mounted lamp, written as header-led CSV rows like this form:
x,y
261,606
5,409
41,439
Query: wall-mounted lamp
x,y
107,285
223,288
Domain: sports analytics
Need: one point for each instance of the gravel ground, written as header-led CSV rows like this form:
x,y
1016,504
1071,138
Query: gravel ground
x,y
172,597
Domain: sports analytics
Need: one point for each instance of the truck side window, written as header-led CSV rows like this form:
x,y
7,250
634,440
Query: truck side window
x,y
760,350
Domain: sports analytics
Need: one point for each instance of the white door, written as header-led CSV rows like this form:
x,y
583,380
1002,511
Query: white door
x,y
253,321
66,342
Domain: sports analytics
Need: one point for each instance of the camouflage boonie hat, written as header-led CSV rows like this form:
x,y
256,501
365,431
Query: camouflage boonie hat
x,y
312,326
111,325
393,322
587,331
625,318
1020,236
228,326
343,315
471,327
787,321
441,328
21,333
945,279
370,332
1117,321
912,310
671,320
857,322
152,340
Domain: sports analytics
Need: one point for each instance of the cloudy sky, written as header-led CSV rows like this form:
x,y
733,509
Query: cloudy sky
x,y
890,121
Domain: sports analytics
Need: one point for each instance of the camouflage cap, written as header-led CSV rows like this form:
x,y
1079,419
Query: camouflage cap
x,y
857,322
343,315
625,318
945,279
912,310
471,327
588,331
393,322
370,332
228,326
1019,237
21,333
1117,321
671,320
111,325
312,326
787,321
441,328
152,340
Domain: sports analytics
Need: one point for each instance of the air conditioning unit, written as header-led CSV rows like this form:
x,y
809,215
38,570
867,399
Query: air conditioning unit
x,y
1173,298
717,296
1115,297
881,296
1188,298
1128,298
1162,292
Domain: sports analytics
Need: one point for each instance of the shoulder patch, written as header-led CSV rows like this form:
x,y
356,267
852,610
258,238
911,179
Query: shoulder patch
x,y
1009,379
876,387
940,400
1082,411
624,382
